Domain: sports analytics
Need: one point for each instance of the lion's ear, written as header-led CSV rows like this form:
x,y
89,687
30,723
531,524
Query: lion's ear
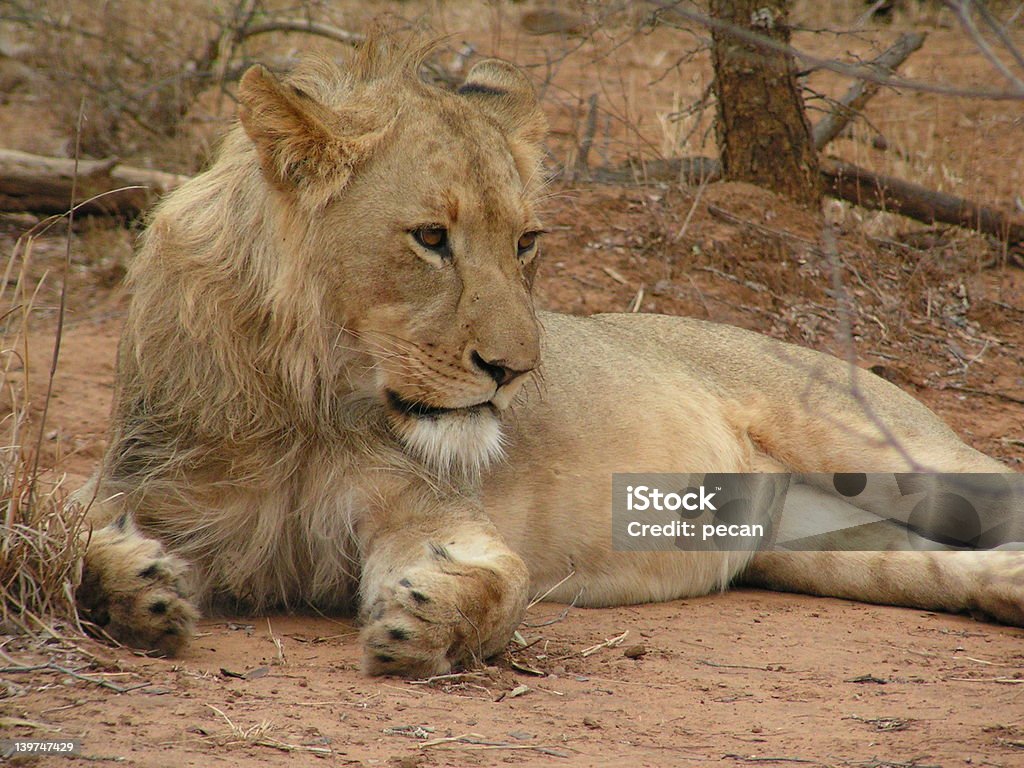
x,y
303,146
505,94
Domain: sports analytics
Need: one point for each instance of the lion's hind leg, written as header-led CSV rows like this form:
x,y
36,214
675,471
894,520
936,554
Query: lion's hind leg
x,y
986,584
134,591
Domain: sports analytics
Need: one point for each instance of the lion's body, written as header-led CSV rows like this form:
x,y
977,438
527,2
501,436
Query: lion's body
x,y
611,401
333,389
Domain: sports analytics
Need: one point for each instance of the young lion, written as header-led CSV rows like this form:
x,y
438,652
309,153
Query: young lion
x,y
320,394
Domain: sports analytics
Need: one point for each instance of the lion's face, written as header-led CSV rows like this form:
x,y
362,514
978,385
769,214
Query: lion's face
x,y
420,227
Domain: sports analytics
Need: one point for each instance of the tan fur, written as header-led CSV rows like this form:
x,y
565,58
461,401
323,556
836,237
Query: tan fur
x,y
291,337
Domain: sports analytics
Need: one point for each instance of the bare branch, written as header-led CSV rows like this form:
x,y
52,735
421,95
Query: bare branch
x,y
854,100
302,25
1001,33
850,70
962,9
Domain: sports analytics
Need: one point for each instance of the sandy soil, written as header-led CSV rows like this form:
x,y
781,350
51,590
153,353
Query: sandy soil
x,y
740,679
733,680
737,679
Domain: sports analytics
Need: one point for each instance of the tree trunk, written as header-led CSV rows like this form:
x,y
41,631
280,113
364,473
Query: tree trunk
x,y
763,133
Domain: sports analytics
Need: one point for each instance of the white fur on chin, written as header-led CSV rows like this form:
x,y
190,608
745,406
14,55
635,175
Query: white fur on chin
x,y
455,443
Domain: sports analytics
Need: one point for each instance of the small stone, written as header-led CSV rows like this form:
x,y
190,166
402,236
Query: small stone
x,y
635,652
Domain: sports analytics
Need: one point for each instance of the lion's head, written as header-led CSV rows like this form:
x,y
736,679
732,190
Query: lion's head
x,y
418,207
361,232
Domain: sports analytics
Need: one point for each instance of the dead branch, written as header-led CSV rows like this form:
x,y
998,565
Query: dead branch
x,y
846,182
43,185
303,26
886,193
854,100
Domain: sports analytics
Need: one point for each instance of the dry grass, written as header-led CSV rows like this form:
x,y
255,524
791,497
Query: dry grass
x,y
41,540
40,551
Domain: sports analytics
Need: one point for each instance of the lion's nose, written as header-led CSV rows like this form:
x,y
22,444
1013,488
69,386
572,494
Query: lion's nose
x,y
499,370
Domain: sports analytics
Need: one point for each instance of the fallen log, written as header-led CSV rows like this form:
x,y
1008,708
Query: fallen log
x,y
886,193
41,184
845,181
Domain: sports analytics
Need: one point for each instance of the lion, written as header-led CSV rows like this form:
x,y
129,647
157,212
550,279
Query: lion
x,y
334,390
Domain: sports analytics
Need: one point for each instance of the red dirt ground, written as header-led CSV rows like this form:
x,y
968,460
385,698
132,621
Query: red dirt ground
x,y
740,679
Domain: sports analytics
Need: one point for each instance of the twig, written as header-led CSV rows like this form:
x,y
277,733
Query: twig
x,y
883,723
739,281
693,207
691,170
614,275
718,665
441,678
560,617
617,640
51,667
561,581
781,234
756,759
638,300
276,641
869,13
480,742
286,747
983,661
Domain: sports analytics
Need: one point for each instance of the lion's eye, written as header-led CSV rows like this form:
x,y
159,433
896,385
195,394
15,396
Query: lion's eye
x,y
526,242
432,238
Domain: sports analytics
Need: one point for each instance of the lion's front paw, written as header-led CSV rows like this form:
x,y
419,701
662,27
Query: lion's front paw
x,y
136,592
437,617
